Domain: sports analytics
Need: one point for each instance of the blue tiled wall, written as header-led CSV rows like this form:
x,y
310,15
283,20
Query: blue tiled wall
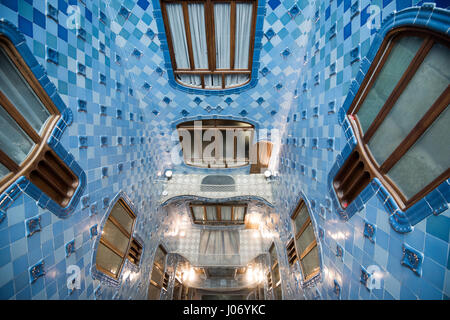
x,y
115,64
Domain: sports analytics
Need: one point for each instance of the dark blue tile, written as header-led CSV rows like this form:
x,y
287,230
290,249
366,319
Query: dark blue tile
x,y
7,291
5,256
439,227
12,4
20,265
143,4
39,18
25,26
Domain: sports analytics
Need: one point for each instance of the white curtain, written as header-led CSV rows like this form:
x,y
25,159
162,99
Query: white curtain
x,y
219,242
242,44
180,47
198,36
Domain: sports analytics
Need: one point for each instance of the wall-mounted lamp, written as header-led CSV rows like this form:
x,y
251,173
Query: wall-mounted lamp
x,y
267,174
168,174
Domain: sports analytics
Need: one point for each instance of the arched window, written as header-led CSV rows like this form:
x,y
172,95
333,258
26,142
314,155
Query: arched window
x,y
159,279
117,243
217,143
305,242
273,275
27,119
210,42
400,117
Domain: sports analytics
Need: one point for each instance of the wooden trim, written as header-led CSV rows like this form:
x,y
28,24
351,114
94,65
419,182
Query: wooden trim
x,y
8,162
308,249
213,72
20,120
119,226
103,270
303,228
232,33
210,34
113,248
187,30
399,88
427,120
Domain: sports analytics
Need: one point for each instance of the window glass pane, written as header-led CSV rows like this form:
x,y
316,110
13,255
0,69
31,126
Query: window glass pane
x,y
277,293
160,257
19,93
310,262
3,171
225,212
115,237
428,158
198,35
198,213
13,140
213,81
211,213
396,64
276,274
273,255
107,259
243,29
301,218
430,80
157,275
239,213
119,213
153,292
222,31
177,31
305,239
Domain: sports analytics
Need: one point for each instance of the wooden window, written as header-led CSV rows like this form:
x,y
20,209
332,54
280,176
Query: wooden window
x,y
27,118
274,276
306,248
211,42
116,242
400,118
218,214
159,278
216,143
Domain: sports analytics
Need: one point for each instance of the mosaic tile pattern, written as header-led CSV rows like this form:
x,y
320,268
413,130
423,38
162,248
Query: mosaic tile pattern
x,y
108,54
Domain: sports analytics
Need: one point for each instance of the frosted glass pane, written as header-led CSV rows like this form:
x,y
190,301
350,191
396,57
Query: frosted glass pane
x,y
226,213
121,215
19,93
3,171
273,255
430,80
198,213
428,158
107,259
213,81
396,64
115,237
13,140
305,239
239,213
301,218
160,258
310,262
276,274
211,213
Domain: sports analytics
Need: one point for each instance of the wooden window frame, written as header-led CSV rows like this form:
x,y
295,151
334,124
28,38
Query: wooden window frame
x,y
219,220
273,265
211,42
124,232
310,247
62,184
217,125
161,270
380,171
